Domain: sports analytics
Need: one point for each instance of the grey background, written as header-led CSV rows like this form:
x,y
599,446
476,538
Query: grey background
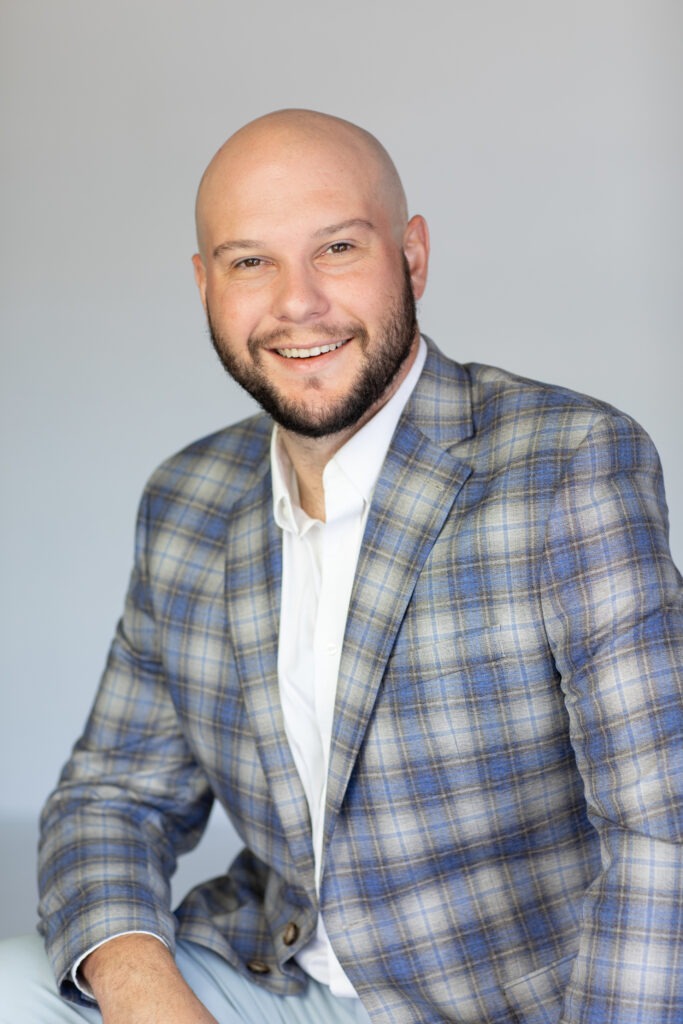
x,y
542,140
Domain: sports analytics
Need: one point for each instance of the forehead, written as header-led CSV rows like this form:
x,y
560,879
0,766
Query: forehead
x,y
296,187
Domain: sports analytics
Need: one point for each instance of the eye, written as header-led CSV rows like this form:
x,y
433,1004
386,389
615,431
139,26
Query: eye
x,y
248,263
339,247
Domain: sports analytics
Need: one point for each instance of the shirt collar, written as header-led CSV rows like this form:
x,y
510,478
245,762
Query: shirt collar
x,y
359,460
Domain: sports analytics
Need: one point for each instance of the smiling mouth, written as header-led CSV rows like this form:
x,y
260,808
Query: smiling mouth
x,y
307,353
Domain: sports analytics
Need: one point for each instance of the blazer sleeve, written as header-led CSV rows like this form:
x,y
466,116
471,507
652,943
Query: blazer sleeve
x,y
614,617
130,798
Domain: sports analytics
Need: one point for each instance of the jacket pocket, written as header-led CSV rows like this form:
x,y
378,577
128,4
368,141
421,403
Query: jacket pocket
x,y
536,998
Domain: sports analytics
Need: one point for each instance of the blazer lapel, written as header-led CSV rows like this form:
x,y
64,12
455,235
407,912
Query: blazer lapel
x,y
414,495
418,485
253,587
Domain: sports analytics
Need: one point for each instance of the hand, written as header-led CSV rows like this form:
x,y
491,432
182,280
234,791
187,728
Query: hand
x,y
135,980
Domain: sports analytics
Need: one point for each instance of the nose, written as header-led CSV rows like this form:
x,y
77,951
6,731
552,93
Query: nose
x,y
298,295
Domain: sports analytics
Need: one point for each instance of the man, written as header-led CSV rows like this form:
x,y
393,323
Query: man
x,y
422,639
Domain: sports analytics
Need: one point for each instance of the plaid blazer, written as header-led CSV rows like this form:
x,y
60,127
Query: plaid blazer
x,y
503,827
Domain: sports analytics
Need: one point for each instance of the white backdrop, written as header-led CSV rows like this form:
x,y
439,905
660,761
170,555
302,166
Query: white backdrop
x,y
542,140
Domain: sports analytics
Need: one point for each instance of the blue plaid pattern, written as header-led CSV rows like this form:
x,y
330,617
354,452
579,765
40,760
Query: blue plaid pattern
x,y
503,829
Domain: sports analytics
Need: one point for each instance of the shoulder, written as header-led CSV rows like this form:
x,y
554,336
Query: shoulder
x,y
527,412
499,392
518,421
214,471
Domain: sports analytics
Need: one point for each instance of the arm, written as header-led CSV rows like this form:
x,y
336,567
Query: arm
x,y
129,800
614,617
135,981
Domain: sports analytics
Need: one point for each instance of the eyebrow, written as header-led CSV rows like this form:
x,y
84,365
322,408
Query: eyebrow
x,y
253,243
237,243
355,222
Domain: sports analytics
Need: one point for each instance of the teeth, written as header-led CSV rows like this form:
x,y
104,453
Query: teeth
x,y
306,353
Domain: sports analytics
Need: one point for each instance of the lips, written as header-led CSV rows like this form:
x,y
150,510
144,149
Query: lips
x,y
308,353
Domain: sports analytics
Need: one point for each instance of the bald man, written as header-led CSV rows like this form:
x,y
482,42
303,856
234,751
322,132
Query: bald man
x,y
415,626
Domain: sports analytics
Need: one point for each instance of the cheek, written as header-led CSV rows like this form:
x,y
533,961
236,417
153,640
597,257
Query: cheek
x,y
236,315
362,303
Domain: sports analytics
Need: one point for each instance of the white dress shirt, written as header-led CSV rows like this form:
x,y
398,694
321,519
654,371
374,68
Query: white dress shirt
x,y
318,569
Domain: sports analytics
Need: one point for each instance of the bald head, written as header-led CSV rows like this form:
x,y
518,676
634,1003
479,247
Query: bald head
x,y
309,269
281,146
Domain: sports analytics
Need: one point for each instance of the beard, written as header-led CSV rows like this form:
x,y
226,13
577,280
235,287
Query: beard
x,y
384,355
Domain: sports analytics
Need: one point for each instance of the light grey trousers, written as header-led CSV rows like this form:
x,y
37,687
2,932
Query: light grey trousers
x,y
28,994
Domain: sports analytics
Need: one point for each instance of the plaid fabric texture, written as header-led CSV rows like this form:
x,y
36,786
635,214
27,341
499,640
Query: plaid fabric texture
x,y
503,829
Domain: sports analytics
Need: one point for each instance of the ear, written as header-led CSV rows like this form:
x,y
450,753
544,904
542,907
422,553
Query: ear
x,y
416,250
200,276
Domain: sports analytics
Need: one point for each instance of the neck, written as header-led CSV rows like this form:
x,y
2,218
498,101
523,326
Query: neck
x,y
309,456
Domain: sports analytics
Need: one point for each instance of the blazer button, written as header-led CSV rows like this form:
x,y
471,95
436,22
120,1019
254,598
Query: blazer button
x,y
258,967
290,934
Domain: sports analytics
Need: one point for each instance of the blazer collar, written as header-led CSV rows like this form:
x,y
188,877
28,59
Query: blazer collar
x,y
440,407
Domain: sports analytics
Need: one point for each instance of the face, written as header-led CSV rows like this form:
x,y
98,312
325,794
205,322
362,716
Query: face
x,y
306,413
309,289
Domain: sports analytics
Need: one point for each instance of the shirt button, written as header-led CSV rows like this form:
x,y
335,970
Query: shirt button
x,y
332,649
258,967
290,934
